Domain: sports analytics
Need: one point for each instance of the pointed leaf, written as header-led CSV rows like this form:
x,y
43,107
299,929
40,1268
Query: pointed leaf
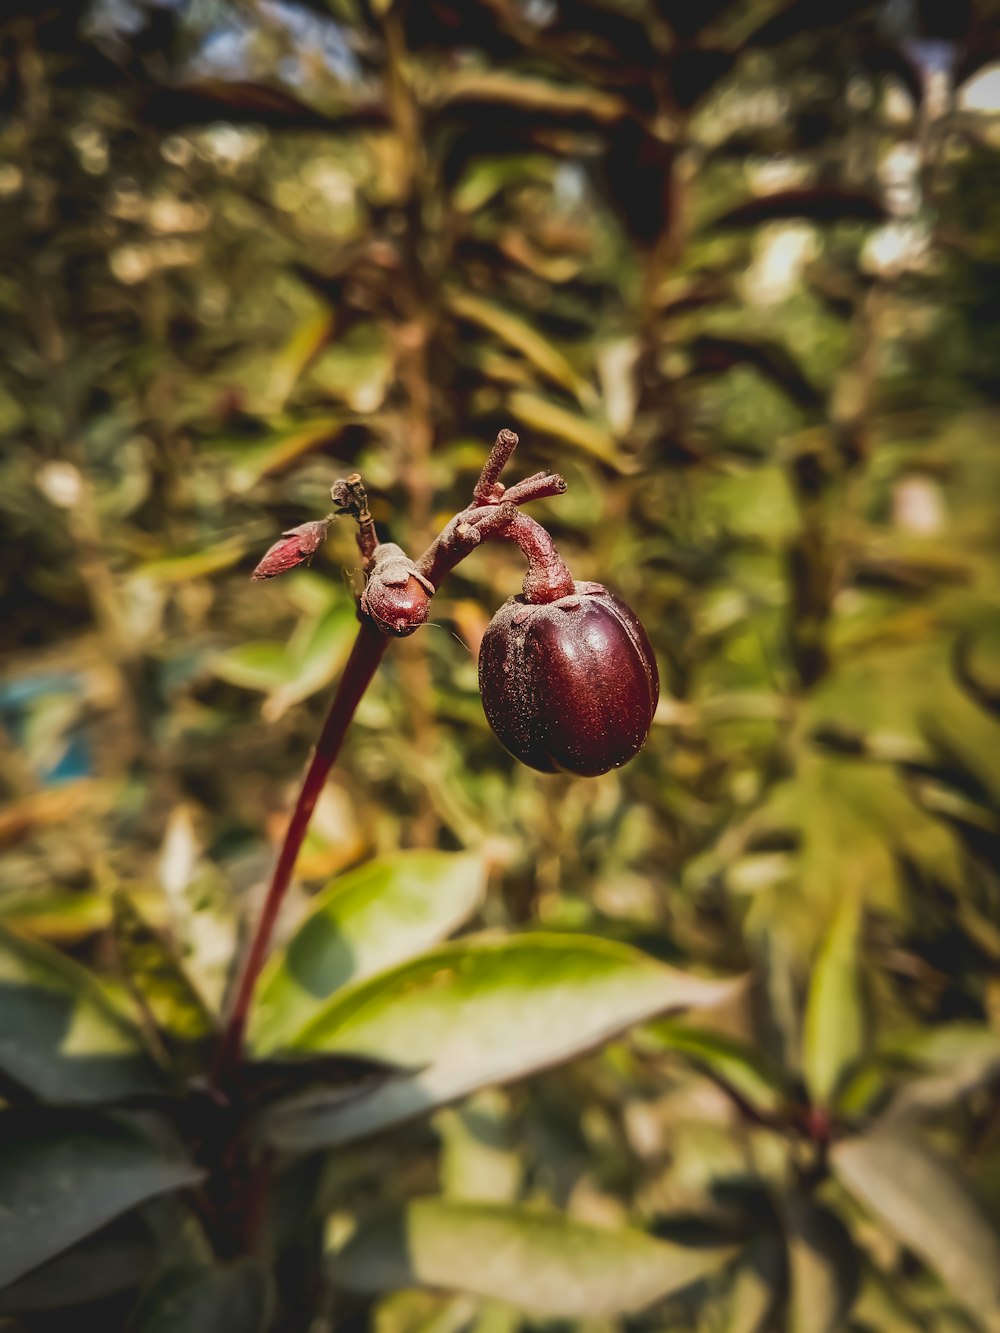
x,y
158,975
925,1202
481,1012
370,919
118,1258
519,334
825,205
735,1064
538,1262
60,1183
59,1036
835,1032
554,419
236,1299
824,1267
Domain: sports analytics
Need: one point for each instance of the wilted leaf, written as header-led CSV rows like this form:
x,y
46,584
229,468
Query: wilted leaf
x,y
237,1298
477,1013
538,1262
835,1030
60,1182
924,1201
367,920
59,1036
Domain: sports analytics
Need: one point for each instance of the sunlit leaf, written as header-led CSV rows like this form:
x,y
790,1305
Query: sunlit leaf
x,y
519,334
478,1013
255,459
370,919
194,564
59,1036
582,432
542,1263
60,1182
836,1028
924,1201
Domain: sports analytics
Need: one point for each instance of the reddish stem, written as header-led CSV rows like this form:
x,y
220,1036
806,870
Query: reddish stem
x,y
365,656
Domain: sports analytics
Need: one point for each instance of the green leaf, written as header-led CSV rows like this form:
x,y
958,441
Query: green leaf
x,y
524,338
59,1037
735,1064
115,1260
481,1012
158,976
235,1299
756,1287
957,1059
253,666
538,1262
320,659
824,1267
370,919
194,564
582,432
927,1205
835,1032
256,459
60,1182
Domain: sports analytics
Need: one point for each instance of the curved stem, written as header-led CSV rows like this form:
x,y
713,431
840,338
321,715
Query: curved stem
x,y
366,654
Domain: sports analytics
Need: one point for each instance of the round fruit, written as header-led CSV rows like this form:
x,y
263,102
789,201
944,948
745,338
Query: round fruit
x,y
570,684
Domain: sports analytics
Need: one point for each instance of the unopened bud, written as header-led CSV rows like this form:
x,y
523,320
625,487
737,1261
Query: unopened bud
x,y
297,546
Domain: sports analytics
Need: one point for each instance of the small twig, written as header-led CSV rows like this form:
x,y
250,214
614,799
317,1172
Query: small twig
x,y
492,515
489,489
350,497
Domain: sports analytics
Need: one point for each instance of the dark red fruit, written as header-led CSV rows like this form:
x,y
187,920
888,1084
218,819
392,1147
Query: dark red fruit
x,y
570,684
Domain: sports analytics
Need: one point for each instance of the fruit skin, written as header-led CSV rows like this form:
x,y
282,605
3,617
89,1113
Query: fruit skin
x,y
570,684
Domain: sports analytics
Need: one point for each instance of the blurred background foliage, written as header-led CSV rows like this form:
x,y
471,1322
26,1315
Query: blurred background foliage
x,y
734,269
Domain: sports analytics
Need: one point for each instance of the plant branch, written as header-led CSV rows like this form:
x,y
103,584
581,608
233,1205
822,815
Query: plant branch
x,y
395,610
369,647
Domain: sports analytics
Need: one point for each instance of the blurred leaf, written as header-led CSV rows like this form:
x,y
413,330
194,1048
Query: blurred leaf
x,y
288,365
539,1262
735,1064
818,205
158,976
293,672
519,334
836,1028
238,102
60,1182
119,1258
370,919
254,459
538,96
478,1158
237,1298
714,355
195,564
958,1058
925,1203
757,1286
582,432
824,1266
59,1036
477,1013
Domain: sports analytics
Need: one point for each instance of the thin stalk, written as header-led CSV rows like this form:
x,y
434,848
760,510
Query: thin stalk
x,y
361,666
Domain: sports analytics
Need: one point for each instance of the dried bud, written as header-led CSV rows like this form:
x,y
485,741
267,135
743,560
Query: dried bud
x,y
297,546
396,596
